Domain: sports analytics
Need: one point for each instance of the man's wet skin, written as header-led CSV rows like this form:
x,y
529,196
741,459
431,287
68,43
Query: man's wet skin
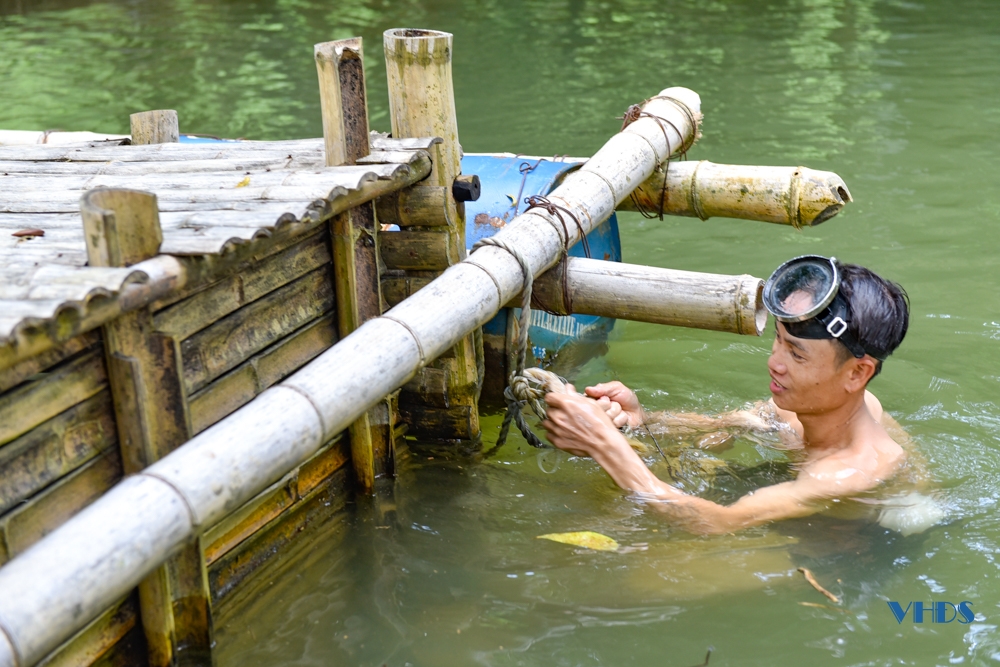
x,y
834,431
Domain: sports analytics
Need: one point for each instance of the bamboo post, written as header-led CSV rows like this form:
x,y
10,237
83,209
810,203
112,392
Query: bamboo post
x,y
75,573
422,104
795,196
122,228
649,294
354,234
154,127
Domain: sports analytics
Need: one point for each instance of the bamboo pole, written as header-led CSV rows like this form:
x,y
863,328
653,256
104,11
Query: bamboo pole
x,y
648,294
83,567
122,228
422,104
340,67
795,196
154,127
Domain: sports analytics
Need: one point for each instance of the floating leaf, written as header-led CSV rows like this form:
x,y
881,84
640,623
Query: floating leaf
x,y
245,182
585,538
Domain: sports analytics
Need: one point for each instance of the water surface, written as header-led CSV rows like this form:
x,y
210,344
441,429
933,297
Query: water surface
x,y
897,97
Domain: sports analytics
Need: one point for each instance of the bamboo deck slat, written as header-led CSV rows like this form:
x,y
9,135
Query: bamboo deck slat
x,y
229,341
237,387
272,536
56,447
31,521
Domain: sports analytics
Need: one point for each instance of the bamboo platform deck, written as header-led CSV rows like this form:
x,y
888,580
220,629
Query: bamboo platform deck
x,y
217,202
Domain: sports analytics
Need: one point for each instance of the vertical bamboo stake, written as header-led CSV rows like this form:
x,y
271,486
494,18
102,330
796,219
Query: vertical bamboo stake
x,y
154,127
122,227
340,67
422,104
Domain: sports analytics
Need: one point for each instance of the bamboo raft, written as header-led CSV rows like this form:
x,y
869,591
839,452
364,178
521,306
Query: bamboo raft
x,y
206,348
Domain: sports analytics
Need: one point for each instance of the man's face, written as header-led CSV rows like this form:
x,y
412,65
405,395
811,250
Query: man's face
x,y
806,376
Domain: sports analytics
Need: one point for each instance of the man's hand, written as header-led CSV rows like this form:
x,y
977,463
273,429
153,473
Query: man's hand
x,y
619,402
581,426
577,424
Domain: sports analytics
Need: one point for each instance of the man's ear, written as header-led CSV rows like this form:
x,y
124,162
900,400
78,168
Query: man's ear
x,y
860,371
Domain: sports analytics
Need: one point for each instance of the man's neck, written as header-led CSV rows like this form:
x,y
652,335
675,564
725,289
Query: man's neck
x,y
826,432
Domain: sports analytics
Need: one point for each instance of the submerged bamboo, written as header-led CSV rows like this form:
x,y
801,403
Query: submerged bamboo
x,y
72,575
795,196
649,294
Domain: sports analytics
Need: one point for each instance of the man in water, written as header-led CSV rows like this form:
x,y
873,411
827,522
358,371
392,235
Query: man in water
x,y
836,324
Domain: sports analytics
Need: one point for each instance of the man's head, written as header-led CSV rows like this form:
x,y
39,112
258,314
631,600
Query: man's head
x,y
817,374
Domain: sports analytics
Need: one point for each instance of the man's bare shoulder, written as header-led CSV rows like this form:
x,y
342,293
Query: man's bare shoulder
x,y
874,406
861,469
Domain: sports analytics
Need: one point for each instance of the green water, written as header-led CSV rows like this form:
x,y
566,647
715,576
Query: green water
x,y
897,97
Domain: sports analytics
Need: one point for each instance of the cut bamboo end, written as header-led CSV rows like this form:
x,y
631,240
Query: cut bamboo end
x,y
422,46
822,195
121,226
422,93
753,314
340,69
796,196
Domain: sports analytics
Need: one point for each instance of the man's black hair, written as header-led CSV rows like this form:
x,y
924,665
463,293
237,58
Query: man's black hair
x,y
878,311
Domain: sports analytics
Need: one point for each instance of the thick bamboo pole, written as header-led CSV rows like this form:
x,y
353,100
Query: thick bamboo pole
x,y
795,196
69,577
340,67
422,104
649,294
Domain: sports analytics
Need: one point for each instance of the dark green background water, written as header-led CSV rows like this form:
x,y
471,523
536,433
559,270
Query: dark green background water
x,y
899,98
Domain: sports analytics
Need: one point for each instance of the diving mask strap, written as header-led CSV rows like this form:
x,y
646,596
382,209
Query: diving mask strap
x,y
830,323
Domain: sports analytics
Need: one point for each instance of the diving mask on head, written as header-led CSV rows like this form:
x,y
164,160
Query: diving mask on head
x,y
804,295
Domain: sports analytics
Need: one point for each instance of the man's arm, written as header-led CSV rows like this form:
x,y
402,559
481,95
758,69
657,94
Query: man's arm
x,y
623,407
582,427
787,500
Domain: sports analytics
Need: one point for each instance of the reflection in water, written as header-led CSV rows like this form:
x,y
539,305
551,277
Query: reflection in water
x,y
897,97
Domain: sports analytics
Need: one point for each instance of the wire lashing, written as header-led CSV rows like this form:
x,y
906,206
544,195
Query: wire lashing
x,y
556,211
524,169
634,113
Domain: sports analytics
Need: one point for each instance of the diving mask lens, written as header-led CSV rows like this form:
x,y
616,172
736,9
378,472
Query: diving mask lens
x,y
801,288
